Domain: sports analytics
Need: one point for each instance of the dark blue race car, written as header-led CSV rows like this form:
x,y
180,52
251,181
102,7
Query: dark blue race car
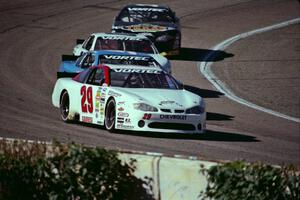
x,y
157,22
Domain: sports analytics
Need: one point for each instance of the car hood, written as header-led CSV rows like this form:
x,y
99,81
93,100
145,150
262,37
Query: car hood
x,y
162,98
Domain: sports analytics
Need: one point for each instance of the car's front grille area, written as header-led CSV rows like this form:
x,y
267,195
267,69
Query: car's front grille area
x,y
170,111
172,126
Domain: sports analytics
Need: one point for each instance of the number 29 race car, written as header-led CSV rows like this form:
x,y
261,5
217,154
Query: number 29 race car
x,y
159,23
129,97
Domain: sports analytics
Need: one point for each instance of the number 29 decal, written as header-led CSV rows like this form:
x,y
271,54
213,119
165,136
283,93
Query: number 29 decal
x,y
87,99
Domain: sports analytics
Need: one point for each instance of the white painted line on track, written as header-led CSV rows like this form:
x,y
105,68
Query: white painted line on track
x,y
205,68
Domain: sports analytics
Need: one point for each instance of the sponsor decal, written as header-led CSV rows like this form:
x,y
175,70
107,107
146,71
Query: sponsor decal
x,y
87,119
125,126
100,122
86,99
120,120
147,116
114,94
169,102
121,103
97,100
119,37
117,57
166,102
146,28
121,109
178,117
123,114
97,105
127,121
150,71
98,94
147,9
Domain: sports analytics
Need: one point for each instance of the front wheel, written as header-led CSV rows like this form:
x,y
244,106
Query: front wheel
x,y
110,115
64,106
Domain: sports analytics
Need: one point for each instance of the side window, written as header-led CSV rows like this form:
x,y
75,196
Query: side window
x,y
89,43
124,16
96,77
87,61
79,60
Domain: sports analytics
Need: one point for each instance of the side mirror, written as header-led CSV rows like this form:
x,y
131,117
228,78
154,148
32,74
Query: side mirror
x,y
79,41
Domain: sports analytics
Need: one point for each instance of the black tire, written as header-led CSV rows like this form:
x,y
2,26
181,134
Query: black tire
x,y
64,106
110,115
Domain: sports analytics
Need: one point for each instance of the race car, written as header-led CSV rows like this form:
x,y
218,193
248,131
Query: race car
x,y
157,22
129,97
115,41
92,58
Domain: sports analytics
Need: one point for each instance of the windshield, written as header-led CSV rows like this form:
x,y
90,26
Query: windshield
x,y
137,45
137,14
137,78
128,60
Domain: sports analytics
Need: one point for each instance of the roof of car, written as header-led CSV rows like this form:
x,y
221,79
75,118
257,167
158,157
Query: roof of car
x,y
131,36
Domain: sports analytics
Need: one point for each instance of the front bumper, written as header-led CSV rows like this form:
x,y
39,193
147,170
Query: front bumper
x,y
162,122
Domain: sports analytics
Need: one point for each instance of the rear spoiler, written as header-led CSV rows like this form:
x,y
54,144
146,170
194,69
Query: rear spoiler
x,y
69,57
79,41
65,75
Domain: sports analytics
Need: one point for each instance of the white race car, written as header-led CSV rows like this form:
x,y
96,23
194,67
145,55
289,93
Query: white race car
x,y
129,98
120,41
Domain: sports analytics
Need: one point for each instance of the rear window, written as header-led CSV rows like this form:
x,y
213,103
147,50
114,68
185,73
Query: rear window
x,y
146,14
125,44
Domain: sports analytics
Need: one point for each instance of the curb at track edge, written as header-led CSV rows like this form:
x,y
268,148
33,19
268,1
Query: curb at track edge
x,y
205,68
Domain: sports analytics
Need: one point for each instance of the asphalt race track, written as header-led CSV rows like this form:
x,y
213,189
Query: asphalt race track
x,y
264,69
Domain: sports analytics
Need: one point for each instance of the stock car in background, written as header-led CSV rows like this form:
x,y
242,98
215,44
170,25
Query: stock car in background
x,y
93,58
157,22
129,98
115,41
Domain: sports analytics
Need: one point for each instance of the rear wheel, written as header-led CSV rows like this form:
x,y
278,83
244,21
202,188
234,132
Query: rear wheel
x,y
64,106
110,115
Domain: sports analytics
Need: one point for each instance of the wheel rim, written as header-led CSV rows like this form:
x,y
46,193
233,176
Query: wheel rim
x,y
64,106
110,115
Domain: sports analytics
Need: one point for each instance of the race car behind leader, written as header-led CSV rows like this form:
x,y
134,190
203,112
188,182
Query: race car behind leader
x,y
157,22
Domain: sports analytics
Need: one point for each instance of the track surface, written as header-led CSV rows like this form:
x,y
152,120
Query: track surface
x,y
263,69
